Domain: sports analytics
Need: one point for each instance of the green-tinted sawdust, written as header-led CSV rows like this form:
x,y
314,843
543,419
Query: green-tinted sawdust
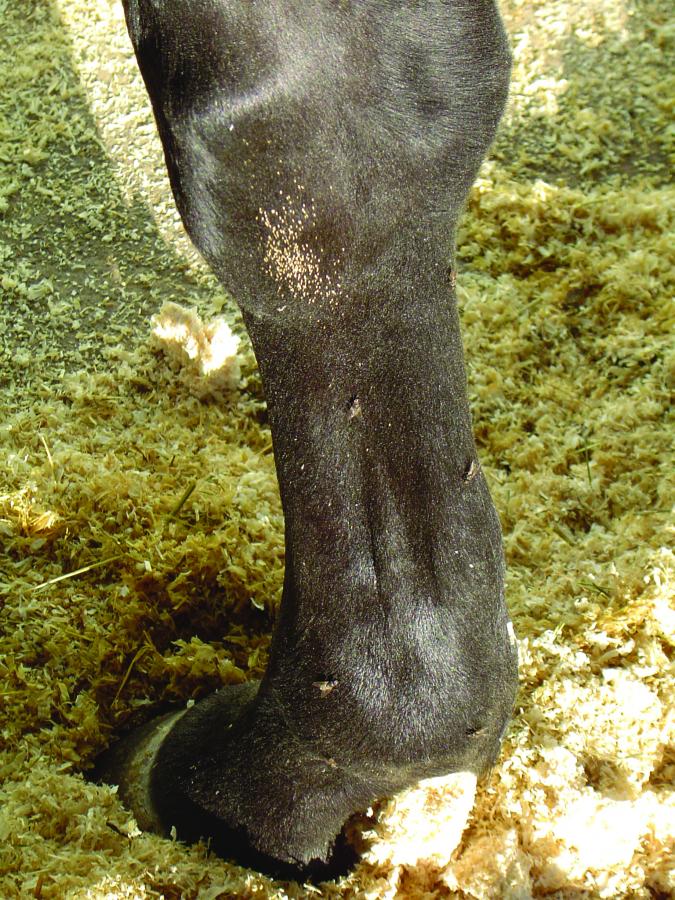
x,y
566,292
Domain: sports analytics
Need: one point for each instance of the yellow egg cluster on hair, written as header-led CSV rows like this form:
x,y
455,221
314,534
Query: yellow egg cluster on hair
x,y
293,258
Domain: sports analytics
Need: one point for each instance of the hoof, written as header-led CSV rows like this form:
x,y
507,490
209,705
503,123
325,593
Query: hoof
x,y
128,765
153,766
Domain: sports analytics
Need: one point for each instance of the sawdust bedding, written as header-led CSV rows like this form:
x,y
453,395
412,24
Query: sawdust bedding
x,y
141,535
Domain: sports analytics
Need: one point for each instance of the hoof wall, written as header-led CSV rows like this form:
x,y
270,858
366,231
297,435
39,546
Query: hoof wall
x,y
128,765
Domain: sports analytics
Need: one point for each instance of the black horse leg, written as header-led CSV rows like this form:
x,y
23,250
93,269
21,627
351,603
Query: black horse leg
x,y
320,154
